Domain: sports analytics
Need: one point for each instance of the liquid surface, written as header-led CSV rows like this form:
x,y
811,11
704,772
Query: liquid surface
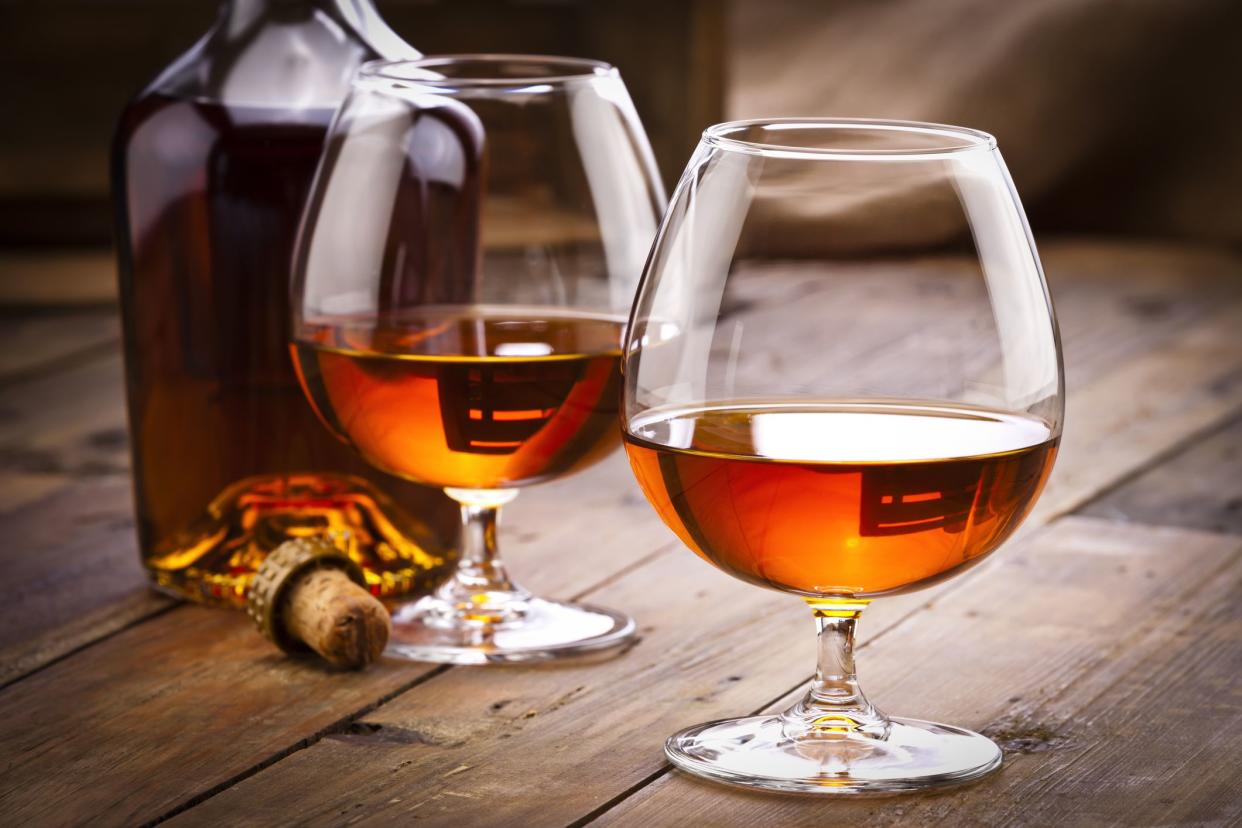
x,y
840,498
469,397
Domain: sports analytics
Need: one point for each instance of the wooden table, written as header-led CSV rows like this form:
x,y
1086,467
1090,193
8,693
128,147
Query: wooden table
x,y
1102,648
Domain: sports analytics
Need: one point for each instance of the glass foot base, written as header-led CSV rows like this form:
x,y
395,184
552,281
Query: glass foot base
x,y
537,630
755,752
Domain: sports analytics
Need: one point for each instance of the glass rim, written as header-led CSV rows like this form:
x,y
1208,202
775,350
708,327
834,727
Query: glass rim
x,y
960,140
573,70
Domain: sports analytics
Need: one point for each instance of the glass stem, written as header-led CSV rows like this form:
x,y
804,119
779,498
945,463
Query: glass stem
x,y
481,585
835,704
480,566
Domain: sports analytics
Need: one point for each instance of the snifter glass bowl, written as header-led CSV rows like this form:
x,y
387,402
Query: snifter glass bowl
x,y
469,251
842,381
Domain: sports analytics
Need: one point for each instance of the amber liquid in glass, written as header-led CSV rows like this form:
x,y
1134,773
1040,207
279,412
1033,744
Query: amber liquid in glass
x,y
840,499
469,398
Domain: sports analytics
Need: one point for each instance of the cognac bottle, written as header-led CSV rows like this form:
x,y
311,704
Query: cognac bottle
x,y
211,165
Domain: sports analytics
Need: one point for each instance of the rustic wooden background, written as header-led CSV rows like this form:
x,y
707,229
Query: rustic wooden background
x,y
1101,649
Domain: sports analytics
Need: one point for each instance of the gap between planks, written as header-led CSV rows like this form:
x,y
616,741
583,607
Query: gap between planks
x,y
338,726
1195,488
21,662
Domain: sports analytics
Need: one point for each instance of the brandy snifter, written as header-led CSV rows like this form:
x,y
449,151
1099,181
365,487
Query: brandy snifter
x,y
823,448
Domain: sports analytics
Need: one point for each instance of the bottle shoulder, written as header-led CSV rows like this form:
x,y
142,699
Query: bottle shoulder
x,y
296,62
184,77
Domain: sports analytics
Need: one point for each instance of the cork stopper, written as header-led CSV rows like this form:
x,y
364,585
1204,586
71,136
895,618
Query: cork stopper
x,y
310,595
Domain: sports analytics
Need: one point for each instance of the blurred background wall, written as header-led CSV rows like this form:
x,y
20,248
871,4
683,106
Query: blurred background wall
x,y
68,66
1117,117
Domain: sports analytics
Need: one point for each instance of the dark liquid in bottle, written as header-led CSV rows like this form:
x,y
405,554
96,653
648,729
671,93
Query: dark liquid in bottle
x,y
213,196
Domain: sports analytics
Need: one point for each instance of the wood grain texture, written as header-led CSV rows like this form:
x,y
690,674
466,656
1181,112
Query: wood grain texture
x,y
473,745
881,318
62,414
1197,487
19,489
79,628
1102,664
70,560
71,573
204,656
208,657
194,660
70,422
40,343
57,279
165,711
482,743
1157,337
1072,607
1142,409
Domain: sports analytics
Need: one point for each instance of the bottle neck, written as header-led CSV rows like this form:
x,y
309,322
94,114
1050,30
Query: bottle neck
x,y
245,12
360,17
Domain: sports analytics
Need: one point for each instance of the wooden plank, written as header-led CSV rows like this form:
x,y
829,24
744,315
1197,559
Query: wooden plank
x,y
880,318
451,752
58,279
1198,487
44,426
1058,611
1141,410
136,724
584,548
32,343
1148,362
61,402
70,558
75,555
1151,291
35,346
71,573
34,349
19,490
1073,649
550,551
93,709
49,439
71,422
457,685
78,628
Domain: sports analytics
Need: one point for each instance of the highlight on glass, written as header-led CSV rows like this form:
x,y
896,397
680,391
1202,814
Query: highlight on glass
x,y
833,453
470,248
